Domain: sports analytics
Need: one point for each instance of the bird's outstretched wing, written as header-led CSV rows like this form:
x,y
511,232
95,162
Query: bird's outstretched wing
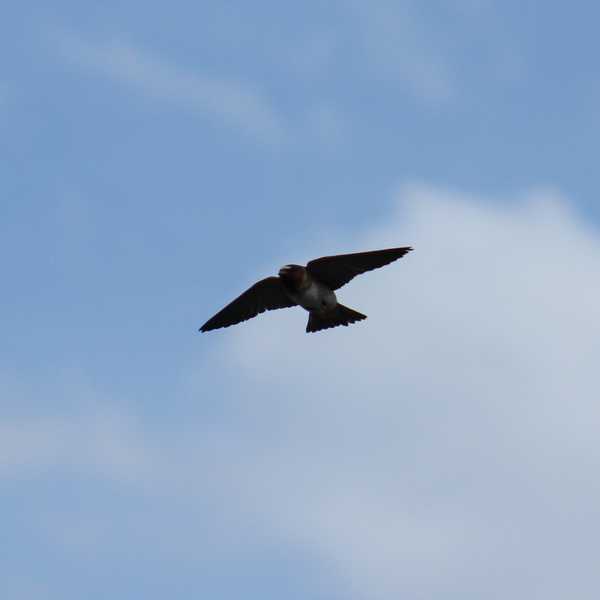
x,y
266,294
336,271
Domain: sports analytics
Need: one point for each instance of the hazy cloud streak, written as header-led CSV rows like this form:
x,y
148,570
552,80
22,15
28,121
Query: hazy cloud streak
x,y
234,103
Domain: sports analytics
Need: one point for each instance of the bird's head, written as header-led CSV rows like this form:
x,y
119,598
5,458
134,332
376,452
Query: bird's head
x,y
293,274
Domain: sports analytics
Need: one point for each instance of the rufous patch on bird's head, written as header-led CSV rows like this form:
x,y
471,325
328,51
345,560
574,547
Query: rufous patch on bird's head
x,y
294,274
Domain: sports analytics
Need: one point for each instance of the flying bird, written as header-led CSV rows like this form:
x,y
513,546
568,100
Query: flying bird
x,y
312,287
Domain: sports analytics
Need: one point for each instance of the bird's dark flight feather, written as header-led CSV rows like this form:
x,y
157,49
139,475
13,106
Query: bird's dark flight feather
x,y
336,271
340,315
267,294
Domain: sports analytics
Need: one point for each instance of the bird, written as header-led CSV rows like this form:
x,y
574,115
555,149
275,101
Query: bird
x,y
312,287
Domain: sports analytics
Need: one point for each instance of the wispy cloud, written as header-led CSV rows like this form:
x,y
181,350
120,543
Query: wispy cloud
x,y
453,433
455,430
327,126
233,103
418,51
404,49
104,445
6,97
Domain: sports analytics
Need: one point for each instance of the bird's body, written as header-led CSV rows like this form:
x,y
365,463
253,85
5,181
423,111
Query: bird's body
x,y
311,287
305,290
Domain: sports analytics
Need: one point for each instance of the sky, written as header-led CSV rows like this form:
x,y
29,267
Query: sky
x,y
157,160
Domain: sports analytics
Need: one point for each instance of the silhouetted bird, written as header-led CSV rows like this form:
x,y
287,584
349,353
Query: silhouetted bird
x,y
311,287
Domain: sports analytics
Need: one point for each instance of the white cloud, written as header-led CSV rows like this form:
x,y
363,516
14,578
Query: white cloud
x,y
239,105
445,448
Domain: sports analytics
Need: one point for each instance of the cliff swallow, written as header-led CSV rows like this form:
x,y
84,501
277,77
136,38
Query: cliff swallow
x,y
311,287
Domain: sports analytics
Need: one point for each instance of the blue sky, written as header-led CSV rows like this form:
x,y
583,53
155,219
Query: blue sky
x,y
158,160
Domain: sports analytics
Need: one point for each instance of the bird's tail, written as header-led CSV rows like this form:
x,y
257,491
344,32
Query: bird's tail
x,y
340,315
